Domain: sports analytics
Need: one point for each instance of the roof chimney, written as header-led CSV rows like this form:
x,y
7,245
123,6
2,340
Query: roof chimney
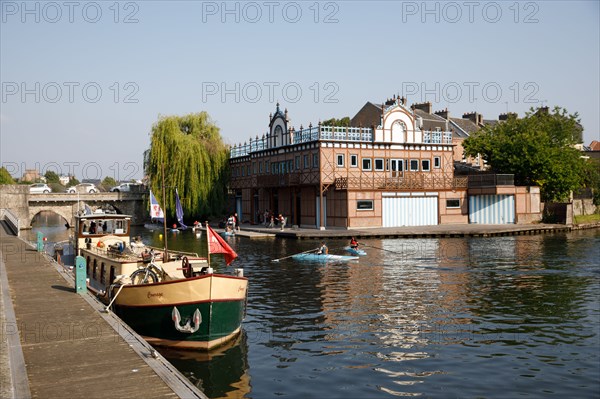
x,y
506,116
444,114
426,107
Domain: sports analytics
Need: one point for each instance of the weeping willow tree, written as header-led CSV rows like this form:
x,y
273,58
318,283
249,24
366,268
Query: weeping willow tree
x,y
195,161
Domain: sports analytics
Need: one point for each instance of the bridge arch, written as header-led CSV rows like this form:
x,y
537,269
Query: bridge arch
x,y
67,217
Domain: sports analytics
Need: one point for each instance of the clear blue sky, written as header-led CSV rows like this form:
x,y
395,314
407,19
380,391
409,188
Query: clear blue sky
x,y
83,82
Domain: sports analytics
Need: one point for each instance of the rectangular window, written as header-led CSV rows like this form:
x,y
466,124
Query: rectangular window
x,y
315,160
253,168
437,162
354,161
453,203
364,205
414,165
306,165
267,167
366,164
260,167
297,162
425,165
340,160
379,164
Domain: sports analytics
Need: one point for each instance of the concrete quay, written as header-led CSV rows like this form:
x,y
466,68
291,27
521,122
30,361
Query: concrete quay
x,y
446,230
58,344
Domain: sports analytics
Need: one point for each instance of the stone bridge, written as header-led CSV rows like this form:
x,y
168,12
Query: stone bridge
x,y
25,205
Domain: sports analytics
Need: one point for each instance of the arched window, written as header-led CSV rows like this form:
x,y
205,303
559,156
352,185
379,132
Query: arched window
x,y
278,133
399,132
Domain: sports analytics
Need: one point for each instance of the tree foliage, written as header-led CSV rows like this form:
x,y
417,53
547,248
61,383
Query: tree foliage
x,y
52,177
345,121
72,181
195,161
538,149
5,177
108,182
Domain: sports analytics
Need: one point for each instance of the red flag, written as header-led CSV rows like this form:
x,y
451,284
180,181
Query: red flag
x,y
217,245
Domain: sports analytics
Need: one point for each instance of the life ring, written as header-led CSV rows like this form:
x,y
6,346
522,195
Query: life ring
x,y
187,268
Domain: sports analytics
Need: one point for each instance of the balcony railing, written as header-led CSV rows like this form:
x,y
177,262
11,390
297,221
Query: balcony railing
x,y
490,180
420,182
331,133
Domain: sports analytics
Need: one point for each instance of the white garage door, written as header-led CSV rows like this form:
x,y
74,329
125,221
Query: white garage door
x,y
409,211
492,209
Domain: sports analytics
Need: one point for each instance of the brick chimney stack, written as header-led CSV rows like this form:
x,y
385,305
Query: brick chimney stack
x,y
504,117
444,114
474,117
426,107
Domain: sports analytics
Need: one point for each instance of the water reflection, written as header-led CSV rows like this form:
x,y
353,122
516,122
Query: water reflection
x,y
445,317
221,373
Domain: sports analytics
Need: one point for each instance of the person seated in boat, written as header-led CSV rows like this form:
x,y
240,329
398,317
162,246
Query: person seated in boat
x,y
231,222
353,243
323,250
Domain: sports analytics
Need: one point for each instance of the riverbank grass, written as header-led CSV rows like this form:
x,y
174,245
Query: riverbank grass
x,y
593,218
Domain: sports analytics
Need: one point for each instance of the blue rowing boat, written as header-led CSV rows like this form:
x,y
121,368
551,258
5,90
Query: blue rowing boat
x,y
323,258
355,251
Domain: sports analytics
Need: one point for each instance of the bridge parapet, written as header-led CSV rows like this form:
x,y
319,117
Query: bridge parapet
x,y
25,205
69,197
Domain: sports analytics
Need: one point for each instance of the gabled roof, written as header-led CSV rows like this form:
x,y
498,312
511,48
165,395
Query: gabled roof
x,y
466,125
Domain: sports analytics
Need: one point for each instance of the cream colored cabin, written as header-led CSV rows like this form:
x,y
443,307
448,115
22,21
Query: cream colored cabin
x,y
103,240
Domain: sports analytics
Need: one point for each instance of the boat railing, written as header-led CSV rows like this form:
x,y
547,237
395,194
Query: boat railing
x,y
182,253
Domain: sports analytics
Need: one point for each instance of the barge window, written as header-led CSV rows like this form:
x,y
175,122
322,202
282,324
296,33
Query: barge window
x,y
379,164
111,278
340,160
102,279
437,162
354,160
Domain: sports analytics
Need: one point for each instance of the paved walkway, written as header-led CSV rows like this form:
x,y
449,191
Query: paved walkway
x,y
68,347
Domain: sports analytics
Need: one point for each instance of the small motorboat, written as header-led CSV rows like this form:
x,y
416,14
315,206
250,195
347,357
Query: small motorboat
x,y
312,257
355,251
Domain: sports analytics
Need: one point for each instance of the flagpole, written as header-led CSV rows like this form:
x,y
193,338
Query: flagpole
x,y
164,198
207,242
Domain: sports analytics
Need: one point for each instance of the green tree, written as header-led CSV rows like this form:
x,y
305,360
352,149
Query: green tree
x,y
195,161
108,182
72,181
345,121
5,177
538,149
52,177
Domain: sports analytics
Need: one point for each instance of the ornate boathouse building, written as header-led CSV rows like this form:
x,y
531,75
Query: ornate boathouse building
x,y
393,167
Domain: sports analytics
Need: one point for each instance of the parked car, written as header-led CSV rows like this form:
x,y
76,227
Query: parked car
x,y
125,187
38,188
85,188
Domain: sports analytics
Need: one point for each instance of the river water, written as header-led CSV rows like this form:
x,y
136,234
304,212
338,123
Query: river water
x,y
500,317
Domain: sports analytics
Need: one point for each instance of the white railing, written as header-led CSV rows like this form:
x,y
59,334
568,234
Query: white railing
x,y
331,133
12,219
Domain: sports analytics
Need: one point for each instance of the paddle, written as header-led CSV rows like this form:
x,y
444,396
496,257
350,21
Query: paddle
x,y
285,257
